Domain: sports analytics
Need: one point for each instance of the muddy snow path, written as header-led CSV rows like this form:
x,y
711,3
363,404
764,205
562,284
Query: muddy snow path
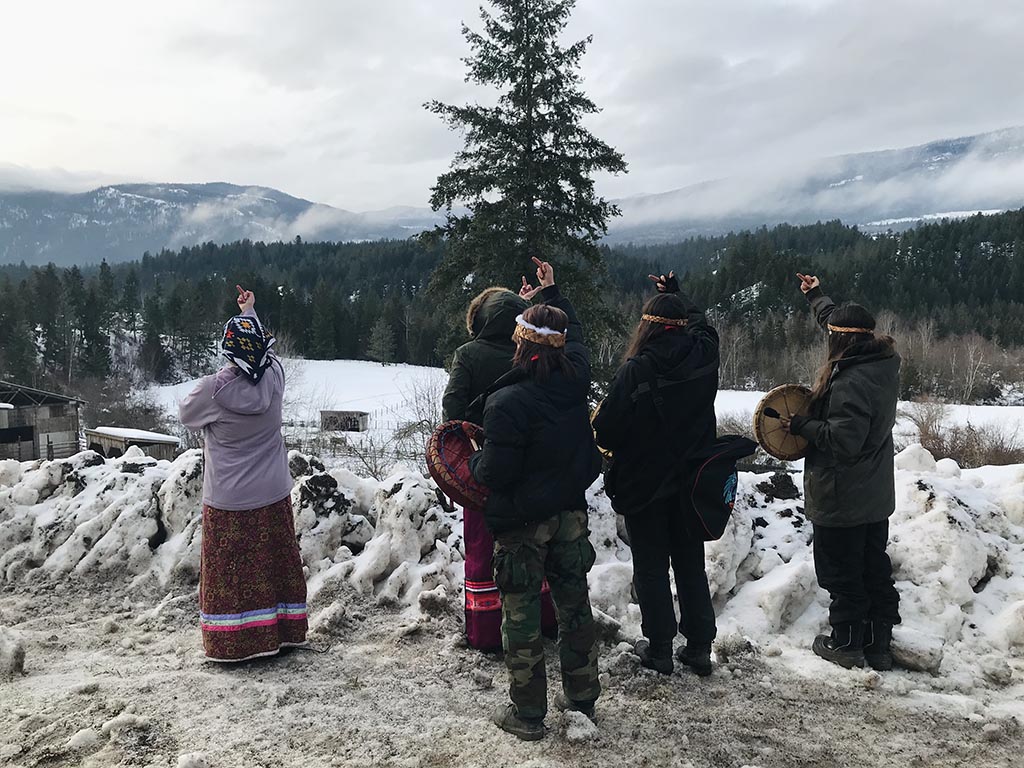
x,y
114,677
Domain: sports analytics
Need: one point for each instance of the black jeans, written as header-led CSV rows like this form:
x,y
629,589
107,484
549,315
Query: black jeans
x,y
657,537
851,563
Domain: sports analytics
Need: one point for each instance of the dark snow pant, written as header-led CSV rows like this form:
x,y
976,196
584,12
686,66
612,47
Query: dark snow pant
x,y
851,563
659,536
557,548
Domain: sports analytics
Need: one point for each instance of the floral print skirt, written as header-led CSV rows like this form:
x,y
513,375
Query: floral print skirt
x,y
252,592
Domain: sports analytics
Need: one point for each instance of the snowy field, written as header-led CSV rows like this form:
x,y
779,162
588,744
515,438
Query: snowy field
x,y
101,661
391,395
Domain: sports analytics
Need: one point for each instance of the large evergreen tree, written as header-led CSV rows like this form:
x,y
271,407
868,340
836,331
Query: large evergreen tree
x,y
526,171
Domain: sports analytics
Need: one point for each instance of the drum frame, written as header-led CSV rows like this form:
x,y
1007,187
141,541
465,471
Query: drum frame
x,y
765,425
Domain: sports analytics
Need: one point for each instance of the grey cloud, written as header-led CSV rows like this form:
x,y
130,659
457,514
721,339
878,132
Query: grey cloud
x,y
690,90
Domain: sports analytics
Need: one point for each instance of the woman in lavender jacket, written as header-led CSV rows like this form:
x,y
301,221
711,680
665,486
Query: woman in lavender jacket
x,y
252,592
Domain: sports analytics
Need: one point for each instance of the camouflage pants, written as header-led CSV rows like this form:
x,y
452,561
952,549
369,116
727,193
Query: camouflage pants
x,y
557,548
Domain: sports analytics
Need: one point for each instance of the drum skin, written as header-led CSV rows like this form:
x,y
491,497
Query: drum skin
x,y
448,452
788,400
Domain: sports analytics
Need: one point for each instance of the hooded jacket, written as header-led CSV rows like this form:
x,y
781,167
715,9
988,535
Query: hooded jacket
x,y
848,470
479,363
648,451
246,465
538,456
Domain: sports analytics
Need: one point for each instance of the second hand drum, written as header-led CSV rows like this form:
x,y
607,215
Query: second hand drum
x,y
786,401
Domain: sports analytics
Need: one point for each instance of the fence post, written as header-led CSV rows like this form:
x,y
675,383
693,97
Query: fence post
x,y
49,448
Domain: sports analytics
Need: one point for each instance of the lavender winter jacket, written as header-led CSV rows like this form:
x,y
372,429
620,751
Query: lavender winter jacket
x,y
246,461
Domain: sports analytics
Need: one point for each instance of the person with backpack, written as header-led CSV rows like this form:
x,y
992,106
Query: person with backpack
x,y
673,344
538,459
849,485
477,364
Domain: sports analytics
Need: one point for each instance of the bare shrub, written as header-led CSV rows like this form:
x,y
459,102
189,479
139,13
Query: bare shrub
x,y
969,445
419,412
374,454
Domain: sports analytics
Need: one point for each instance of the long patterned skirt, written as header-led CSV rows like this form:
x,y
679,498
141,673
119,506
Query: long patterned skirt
x,y
252,592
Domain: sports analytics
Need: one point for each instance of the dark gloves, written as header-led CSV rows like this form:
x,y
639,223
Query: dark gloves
x,y
669,285
796,424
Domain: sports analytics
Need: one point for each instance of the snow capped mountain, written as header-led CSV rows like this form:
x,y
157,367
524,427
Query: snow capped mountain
x,y
892,189
120,222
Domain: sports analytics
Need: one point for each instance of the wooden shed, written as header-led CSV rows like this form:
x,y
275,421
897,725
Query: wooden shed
x,y
114,441
344,421
35,424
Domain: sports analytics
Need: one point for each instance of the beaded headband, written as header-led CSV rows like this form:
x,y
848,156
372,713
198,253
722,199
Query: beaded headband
x,y
537,334
841,329
664,320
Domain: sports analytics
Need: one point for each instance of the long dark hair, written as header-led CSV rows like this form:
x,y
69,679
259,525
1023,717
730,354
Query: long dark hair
x,y
844,344
669,305
540,360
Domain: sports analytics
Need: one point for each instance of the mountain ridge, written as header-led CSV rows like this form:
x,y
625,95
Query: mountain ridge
x,y
890,188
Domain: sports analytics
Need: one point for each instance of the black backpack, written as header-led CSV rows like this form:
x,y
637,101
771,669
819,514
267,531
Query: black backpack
x,y
709,477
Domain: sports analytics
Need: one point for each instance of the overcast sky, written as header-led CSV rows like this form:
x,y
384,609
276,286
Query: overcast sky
x,y
323,99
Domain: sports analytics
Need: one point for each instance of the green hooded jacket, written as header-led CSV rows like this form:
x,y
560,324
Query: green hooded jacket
x,y
479,363
848,471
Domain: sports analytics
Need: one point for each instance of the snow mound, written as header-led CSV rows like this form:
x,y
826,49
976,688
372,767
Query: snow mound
x,y
956,543
140,519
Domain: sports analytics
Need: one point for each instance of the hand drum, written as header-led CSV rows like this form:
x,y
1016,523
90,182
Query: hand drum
x,y
448,452
787,401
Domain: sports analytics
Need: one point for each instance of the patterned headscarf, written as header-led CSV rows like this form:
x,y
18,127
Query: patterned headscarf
x,y
247,344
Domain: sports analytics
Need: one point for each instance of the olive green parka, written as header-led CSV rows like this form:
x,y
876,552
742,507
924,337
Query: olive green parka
x,y
848,471
479,363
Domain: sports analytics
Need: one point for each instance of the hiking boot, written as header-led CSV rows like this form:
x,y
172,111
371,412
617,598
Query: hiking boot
x,y
656,656
509,720
877,645
564,704
845,646
697,656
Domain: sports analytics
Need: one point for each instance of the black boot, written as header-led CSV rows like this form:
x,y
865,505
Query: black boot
x,y
697,656
877,645
845,646
507,718
656,655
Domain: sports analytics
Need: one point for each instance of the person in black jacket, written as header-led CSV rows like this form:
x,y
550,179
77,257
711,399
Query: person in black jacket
x,y
538,459
674,345
849,487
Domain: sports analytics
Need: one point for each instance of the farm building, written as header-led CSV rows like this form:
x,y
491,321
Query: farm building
x,y
344,421
37,425
114,441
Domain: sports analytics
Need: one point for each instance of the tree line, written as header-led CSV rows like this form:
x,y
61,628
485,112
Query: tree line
x,y
952,293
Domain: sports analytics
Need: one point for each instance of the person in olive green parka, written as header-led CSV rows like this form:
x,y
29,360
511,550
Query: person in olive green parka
x,y
487,357
849,488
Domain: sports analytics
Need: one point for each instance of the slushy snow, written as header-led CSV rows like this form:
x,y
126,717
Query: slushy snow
x,y
957,546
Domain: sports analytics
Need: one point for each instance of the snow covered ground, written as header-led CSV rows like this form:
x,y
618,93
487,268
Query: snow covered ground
x,y
101,661
98,566
391,395
384,391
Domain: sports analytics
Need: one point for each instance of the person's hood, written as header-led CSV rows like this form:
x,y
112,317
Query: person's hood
x,y
236,393
492,314
873,350
672,353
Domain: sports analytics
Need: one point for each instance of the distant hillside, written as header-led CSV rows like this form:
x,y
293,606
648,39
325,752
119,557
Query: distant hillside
x,y
120,222
894,189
